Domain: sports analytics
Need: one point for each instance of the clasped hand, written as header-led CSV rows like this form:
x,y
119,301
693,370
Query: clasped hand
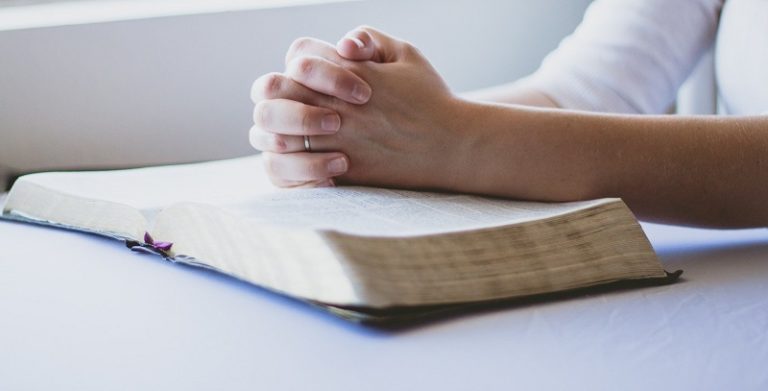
x,y
376,111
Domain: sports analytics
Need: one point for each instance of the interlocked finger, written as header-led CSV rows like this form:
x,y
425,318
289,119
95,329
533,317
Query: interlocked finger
x,y
280,143
304,166
329,78
289,117
278,86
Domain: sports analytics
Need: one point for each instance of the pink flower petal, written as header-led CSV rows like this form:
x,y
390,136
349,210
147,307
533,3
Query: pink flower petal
x,y
164,246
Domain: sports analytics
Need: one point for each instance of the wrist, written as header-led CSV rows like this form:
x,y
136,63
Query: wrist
x,y
518,152
464,141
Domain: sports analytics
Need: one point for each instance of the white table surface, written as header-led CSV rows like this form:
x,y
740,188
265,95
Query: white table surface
x,y
80,312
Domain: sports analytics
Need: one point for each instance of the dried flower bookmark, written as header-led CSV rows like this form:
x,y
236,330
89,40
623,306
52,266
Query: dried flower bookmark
x,y
151,246
159,246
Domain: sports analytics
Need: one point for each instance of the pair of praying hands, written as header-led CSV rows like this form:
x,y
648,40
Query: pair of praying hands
x,y
374,110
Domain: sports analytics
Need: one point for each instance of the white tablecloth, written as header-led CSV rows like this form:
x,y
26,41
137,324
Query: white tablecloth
x,y
80,312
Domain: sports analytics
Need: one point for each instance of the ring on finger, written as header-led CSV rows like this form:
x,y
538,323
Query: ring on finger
x,y
307,144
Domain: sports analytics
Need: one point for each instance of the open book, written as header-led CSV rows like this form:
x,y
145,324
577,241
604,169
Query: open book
x,y
347,248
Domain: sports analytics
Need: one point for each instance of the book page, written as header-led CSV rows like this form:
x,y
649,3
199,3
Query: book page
x,y
154,188
123,203
241,187
387,212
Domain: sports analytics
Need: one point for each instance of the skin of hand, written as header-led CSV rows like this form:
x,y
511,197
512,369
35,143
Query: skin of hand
x,y
412,132
400,131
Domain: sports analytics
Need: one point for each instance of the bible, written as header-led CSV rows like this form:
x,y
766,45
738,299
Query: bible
x,y
362,253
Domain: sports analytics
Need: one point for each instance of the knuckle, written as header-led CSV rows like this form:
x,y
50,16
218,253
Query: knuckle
x,y
305,66
278,143
299,44
271,85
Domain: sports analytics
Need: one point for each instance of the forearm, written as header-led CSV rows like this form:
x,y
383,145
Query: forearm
x,y
686,170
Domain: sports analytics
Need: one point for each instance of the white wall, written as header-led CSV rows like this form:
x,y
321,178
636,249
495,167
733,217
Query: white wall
x,y
176,88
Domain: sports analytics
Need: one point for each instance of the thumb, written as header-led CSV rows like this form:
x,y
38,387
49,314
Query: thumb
x,y
366,43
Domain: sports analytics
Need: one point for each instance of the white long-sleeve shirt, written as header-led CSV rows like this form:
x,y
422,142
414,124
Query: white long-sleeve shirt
x,y
631,56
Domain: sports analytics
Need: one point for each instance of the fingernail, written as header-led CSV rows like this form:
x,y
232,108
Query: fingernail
x,y
361,93
337,166
360,44
330,122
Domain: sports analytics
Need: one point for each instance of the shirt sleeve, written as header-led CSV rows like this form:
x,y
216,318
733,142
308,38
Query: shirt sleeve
x,y
629,56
